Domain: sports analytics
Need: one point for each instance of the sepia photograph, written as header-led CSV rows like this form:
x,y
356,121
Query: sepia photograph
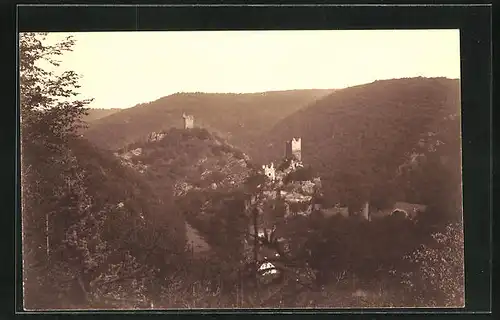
x,y
180,170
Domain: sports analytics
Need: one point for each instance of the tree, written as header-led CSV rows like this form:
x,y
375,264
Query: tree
x,y
50,115
439,277
70,193
49,107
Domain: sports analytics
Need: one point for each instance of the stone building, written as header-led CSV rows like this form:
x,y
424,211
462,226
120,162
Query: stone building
x,y
270,171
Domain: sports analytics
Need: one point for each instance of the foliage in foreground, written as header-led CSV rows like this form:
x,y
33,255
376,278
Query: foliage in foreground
x,y
431,276
92,229
439,277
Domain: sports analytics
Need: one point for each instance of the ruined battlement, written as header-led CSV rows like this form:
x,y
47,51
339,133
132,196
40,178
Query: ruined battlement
x,y
188,121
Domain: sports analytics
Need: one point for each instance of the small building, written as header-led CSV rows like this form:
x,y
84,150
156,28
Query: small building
x,y
270,171
268,268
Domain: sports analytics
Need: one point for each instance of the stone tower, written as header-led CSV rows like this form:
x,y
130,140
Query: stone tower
x,y
294,149
188,121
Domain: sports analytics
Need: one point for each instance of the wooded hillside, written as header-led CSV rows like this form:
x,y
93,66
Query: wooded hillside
x,y
184,159
235,117
358,137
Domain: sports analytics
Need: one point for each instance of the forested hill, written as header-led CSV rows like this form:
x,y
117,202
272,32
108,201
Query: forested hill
x,y
196,167
357,137
178,160
98,113
236,117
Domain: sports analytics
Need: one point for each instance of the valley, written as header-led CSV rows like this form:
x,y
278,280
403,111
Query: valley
x,y
258,169
271,180
270,199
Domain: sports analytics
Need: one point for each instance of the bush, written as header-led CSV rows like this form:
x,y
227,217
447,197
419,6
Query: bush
x,y
439,276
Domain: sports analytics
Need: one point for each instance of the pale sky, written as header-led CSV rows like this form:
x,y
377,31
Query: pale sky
x,y
122,69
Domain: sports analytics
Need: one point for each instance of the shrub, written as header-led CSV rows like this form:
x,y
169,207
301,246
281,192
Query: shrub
x,y
439,276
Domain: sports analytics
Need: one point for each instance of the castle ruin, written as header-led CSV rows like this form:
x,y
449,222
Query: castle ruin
x,y
293,149
270,171
188,121
292,154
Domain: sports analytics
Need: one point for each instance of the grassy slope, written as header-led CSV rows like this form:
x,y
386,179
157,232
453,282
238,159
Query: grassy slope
x,y
232,116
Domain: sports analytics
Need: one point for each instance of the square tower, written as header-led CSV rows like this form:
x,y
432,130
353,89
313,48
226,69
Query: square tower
x,y
188,121
294,149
